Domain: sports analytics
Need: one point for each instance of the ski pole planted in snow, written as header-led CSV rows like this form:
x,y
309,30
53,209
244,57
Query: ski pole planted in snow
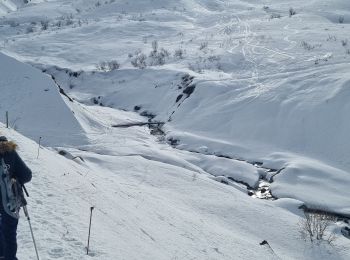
x,y
88,245
24,205
7,119
31,230
39,147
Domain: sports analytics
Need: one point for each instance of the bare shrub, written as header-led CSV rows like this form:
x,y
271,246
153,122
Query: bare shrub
x,y
59,24
211,62
203,45
341,19
69,21
307,46
315,226
179,54
107,66
275,16
30,29
65,21
139,60
158,57
154,48
44,25
331,38
292,12
344,42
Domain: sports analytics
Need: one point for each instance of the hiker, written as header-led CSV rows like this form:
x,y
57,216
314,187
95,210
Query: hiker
x,y
21,174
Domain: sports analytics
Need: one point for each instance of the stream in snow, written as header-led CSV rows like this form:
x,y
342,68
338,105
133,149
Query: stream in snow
x,y
262,190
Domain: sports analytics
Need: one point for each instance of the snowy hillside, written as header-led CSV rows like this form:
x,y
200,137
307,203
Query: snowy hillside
x,y
162,209
29,95
251,96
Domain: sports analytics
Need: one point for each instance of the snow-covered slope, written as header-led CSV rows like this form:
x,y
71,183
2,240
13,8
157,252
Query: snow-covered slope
x,y
163,210
247,90
35,105
279,82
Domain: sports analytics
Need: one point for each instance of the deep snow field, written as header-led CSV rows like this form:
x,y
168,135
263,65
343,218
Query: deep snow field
x,y
249,93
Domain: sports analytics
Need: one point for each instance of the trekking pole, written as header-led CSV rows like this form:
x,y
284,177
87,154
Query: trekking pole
x,y
88,245
31,230
24,205
39,147
7,119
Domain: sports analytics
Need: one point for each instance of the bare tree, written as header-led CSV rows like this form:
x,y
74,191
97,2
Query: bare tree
x,y
315,225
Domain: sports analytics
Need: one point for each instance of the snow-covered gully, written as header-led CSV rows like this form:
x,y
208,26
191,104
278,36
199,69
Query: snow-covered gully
x,y
262,190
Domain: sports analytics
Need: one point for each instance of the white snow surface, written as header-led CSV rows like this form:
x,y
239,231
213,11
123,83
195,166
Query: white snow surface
x,y
28,95
252,86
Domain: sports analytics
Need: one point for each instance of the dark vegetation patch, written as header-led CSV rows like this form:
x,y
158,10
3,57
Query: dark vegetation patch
x,y
97,101
137,108
148,114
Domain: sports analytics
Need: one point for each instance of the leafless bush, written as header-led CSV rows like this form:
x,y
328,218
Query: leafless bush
x,y
203,45
107,66
158,57
30,29
315,226
292,12
344,42
139,60
44,25
59,24
65,20
307,46
69,21
266,8
341,19
275,16
214,58
331,38
179,54
154,48
211,62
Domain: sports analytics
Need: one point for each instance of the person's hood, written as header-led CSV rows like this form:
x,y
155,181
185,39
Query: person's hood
x,y
6,146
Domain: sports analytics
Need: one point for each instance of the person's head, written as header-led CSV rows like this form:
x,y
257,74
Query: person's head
x,y
6,146
3,139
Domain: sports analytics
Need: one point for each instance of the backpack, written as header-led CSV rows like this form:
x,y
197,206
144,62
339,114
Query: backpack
x,y
11,192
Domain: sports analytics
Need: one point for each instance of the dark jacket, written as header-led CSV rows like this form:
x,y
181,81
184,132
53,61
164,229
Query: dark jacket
x,y
8,224
18,169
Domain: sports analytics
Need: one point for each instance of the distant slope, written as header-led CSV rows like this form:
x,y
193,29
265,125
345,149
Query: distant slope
x,y
34,103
